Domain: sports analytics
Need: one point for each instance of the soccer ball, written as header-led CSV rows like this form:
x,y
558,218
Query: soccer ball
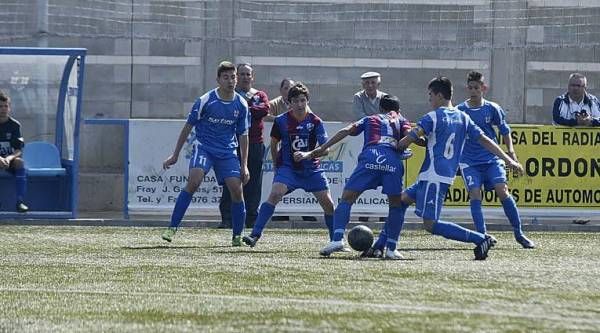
x,y
360,238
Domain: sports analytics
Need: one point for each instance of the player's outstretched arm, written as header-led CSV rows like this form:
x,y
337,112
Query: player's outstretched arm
x,y
421,141
490,145
185,132
509,146
245,173
413,136
323,149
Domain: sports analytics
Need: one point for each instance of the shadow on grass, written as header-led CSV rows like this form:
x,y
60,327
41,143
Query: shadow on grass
x,y
436,249
246,250
215,248
165,247
358,258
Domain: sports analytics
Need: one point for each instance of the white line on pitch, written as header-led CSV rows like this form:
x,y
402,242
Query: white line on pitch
x,y
327,302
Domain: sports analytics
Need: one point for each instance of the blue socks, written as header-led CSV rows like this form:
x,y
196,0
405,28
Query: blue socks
x,y
510,209
382,239
238,216
393,225
329,224
455,232
477,215
181,205
21,182
265,212
340,220
238,212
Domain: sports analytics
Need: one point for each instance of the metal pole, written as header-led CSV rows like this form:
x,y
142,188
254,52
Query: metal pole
x,y
42,93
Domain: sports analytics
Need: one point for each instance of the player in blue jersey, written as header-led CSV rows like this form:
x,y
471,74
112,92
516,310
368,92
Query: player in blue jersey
x,y
379,164
445,129
479,167
297,130
220,119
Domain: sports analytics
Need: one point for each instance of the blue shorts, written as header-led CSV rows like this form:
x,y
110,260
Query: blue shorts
x,y
377,167
487,175
309,181
429,198
225,165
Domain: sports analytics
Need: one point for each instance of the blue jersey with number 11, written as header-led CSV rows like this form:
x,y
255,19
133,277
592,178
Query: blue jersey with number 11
x,y
218,122
446,129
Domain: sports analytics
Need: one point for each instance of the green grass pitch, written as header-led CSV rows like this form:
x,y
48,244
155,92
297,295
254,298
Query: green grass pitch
x,y
110,279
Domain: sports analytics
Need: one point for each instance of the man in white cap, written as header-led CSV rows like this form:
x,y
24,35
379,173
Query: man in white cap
x,y
366,101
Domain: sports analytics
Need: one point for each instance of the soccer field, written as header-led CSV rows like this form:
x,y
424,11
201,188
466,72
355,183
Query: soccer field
x,y
119,279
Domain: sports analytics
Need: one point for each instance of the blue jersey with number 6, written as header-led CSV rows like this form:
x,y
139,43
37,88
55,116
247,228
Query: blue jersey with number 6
x,y
446,129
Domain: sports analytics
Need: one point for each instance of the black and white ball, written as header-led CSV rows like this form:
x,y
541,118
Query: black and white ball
x,y
360,238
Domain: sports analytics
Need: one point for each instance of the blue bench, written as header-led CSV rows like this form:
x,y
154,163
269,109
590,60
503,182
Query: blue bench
x,y
46,181
42,159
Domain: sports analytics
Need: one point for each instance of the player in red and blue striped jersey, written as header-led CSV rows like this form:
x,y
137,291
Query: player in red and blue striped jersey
x,y
298,130
379,164
480,167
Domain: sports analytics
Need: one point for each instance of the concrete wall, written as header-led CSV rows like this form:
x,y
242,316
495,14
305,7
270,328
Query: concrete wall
x,y
150,59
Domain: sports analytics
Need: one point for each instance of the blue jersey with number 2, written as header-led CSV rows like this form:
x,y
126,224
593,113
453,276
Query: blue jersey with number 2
x,y
486,116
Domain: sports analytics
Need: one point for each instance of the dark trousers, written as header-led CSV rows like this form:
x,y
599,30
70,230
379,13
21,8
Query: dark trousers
x,y
252,190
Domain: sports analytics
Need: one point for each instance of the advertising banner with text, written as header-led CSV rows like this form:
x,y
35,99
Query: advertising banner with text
x,y
152,189
561,170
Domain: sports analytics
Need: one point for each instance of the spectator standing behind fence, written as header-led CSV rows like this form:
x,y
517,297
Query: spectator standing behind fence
x,y
279,105
576,107
11,145
258,106
366,103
